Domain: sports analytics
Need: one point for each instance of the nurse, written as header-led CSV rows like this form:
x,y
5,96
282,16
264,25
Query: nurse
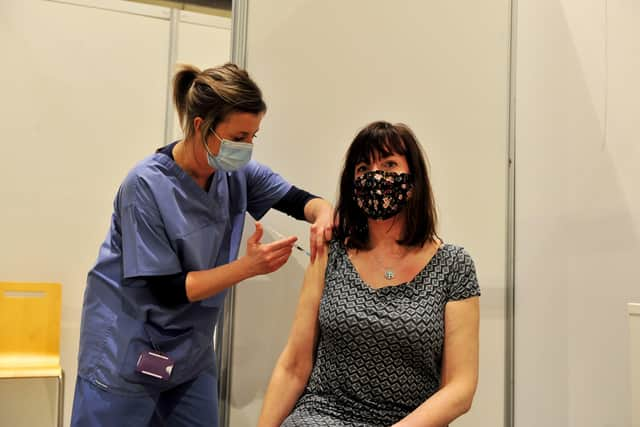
x,y
156,291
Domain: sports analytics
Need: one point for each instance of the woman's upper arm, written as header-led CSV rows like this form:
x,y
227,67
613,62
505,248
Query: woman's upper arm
x,y
304,331
462,321
461,343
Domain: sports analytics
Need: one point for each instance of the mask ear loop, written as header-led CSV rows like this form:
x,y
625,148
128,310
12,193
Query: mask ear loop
x,y
206,146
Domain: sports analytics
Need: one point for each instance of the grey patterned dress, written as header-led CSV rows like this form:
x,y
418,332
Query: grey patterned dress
x,y
380,350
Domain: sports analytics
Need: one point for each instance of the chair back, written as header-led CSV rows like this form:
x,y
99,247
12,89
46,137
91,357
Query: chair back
x,y
30,318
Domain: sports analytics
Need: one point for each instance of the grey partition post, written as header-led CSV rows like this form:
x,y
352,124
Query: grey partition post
x,y
223,335
174,17
509,411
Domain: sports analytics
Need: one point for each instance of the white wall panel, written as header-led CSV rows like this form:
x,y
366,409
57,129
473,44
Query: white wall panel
x,y
83,95
204,41
329,68
84,88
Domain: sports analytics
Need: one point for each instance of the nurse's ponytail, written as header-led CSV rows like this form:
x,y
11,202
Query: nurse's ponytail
x,y
212,94
182,82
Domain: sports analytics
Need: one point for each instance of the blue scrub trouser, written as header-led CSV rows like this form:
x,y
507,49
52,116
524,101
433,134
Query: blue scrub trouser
x,y
191,404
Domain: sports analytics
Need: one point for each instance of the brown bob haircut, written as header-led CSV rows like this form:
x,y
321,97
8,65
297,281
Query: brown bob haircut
x,y
379,140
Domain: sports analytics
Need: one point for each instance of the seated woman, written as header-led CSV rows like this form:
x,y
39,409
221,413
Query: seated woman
x,y
386,330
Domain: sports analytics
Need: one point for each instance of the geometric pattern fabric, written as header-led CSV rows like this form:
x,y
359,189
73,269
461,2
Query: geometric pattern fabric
x,y
380,350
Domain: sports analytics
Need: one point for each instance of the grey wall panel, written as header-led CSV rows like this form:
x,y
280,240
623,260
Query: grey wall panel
x,y
329,68
577,210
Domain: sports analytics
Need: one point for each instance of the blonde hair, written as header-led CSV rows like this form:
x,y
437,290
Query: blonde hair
x,y
212,94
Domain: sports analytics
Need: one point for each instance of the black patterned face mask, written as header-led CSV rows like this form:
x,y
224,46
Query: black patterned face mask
x,y
381,194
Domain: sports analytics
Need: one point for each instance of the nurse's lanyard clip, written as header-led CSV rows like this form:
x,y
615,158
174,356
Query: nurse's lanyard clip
x,y
155,364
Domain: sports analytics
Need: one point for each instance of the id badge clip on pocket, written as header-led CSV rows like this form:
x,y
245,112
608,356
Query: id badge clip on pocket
x,y
155,364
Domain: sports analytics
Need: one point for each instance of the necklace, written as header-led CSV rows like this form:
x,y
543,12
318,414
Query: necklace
x,y
388,270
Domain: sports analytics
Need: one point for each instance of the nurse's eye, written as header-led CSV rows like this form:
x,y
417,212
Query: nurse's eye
x,y
245,138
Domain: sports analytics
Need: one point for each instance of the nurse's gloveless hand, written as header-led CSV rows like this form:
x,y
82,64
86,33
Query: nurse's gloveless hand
x,y
319,235
267,257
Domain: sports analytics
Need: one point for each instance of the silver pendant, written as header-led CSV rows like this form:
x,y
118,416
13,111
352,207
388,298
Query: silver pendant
x,y
389,274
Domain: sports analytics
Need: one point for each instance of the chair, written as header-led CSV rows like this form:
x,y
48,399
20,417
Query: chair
x,y
30,333
634,356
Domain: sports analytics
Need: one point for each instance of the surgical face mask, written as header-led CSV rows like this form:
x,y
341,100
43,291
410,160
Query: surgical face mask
x,y
381,194
232,155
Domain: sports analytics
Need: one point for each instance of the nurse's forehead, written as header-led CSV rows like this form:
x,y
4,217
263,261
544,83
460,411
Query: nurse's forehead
x,y
242,122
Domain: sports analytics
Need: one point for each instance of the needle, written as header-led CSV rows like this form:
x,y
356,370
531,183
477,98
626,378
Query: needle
x,y
281,236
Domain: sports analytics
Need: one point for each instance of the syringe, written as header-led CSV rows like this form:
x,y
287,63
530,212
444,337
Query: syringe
x,y
282,236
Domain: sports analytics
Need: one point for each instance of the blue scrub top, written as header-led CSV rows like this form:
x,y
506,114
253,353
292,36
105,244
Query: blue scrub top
x,y
164,223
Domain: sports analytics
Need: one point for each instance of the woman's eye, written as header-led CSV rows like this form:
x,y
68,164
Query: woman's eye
x,y
361,168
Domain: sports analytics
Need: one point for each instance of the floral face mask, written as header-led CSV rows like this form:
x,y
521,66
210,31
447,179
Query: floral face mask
x,y
381,194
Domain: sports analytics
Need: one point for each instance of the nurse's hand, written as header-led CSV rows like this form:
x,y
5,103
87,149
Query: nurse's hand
x,y
320,234
319,213
268,257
